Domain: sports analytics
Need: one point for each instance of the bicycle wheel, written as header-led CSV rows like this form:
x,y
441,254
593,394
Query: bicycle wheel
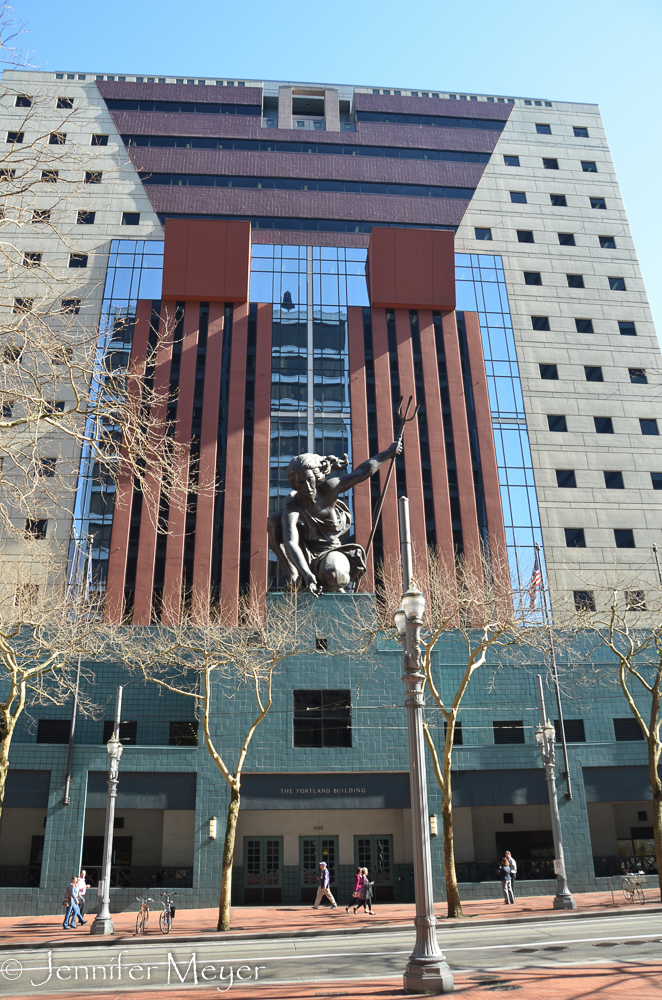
x,y
165,922
140,923
639,895
145,919
627,890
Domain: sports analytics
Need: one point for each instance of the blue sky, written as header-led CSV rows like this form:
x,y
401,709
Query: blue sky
x,y
600,51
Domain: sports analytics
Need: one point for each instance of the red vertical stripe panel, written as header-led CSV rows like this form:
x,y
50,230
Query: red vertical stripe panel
x,y
261,449
412,450
360,446
384,412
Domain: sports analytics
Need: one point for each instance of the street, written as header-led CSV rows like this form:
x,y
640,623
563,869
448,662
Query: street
x,y
159,963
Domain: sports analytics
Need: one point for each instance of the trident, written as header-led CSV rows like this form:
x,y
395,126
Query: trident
x,y
403,421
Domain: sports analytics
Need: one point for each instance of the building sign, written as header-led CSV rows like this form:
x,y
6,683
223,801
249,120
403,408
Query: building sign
x,y
357,790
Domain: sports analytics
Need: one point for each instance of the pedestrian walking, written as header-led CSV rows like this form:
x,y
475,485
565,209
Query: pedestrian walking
x,y
365,898
82,886
323,880
356,894
506,883
512,864
71,902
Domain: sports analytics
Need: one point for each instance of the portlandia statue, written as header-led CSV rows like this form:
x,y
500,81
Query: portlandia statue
x,y
306,535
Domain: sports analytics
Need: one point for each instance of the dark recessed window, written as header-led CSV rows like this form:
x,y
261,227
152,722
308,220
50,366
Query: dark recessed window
x,y
7,173
53,730
31,259
77,260
322,719
656,480
23,101
642,816
321,644
483,234
508,818
525,236
93,176
457,734
627,729
566,239
624,538
603,425
184,734
575,280
23,305
65,102
543,129
581,132
540,322
607,242
36,527
508,732
574,538
593,373
614,480
556,422
45,467
638,376
598,203
71,306
648,426
532,278
511,161
573,728
584,325
15,137
57,138
85,218
128,731
549,163
565,479
626,328
617,284
99,140
589,167
558,200
635,600
549,371
518,197
50,176
130,218
584,600
41,215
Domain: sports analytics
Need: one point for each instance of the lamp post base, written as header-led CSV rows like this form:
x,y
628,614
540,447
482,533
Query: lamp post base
x,y
102,925
432,976
565,901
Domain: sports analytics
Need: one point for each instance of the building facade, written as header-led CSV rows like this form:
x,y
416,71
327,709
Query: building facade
x,y
469,251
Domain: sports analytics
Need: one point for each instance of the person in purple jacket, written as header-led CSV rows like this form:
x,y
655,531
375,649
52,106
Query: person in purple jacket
x,y
323,887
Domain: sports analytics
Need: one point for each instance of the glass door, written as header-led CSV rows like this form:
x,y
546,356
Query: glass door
x,y
263,870
376,854
312,850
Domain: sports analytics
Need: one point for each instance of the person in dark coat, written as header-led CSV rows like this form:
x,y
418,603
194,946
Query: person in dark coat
x,y
506,883
365,899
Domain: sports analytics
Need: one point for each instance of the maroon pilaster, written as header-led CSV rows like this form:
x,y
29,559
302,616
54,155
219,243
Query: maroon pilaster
x,y
204,522
174,559
360,447
412,450
384,414
261,449
234,462
119,541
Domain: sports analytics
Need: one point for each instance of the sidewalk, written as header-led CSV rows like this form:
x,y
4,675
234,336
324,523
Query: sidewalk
x,y
259,921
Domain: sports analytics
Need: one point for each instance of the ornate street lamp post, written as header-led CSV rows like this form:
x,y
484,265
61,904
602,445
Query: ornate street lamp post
x,y
427,970
103,922
545,736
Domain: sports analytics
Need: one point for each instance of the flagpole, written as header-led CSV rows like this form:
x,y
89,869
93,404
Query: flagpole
x,y
552,653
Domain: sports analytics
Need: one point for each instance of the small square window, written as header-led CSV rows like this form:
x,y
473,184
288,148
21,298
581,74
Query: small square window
x,y
70,306
607,242
598,203
565,479
575,280
85,218
65,103
617,284
603,425
23,101
549,163
508,818
483,234
574,538
57,138
648,426
626,328
635,600
511,161
584,600
77,260
642,817
558,200
656,480
584,325
540,322
99,140
549,372
130,218
581,132
41,215
184,734
638,376
543,129
525,236
7,409
532,278
36,527
321,644
45,467
93,176
614,480
566,239
624,538
593,373
627,729
7,173
508,732
23,305
518,197
50,176
589,167
15,137
31,259
556,422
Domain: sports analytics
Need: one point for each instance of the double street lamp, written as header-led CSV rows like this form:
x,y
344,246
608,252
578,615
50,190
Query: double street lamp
x,y
103,922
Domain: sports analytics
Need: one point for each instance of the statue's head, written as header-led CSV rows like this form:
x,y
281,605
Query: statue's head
x,y
304,473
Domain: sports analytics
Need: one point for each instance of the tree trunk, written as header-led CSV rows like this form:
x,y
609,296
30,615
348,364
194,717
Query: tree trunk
x,y
452,892
656,788
5,744
228,858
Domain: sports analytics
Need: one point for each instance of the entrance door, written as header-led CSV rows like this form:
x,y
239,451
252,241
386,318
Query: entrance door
x,y
376,854
312,850
263,870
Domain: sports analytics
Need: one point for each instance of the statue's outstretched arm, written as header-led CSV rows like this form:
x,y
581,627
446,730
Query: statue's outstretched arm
x,y
336,485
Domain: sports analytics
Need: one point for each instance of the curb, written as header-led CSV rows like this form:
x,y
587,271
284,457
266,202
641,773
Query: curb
x,y
231,936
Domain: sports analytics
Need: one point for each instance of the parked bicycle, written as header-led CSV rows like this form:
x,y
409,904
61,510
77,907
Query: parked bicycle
x,y
143,913
633,887
166,917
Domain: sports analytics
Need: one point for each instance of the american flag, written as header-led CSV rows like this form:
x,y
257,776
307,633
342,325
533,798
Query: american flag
x,y
535,584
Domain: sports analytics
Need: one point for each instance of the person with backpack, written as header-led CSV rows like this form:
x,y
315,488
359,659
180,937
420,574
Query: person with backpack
x,y
513,871
506,883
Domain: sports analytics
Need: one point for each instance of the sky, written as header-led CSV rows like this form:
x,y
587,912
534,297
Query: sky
x,y
599,51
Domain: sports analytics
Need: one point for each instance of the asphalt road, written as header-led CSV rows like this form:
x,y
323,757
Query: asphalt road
x,y
480,950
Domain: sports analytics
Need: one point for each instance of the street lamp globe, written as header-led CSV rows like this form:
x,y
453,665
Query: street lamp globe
x,y
114,748
540,735
401,621
413,602
550,731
